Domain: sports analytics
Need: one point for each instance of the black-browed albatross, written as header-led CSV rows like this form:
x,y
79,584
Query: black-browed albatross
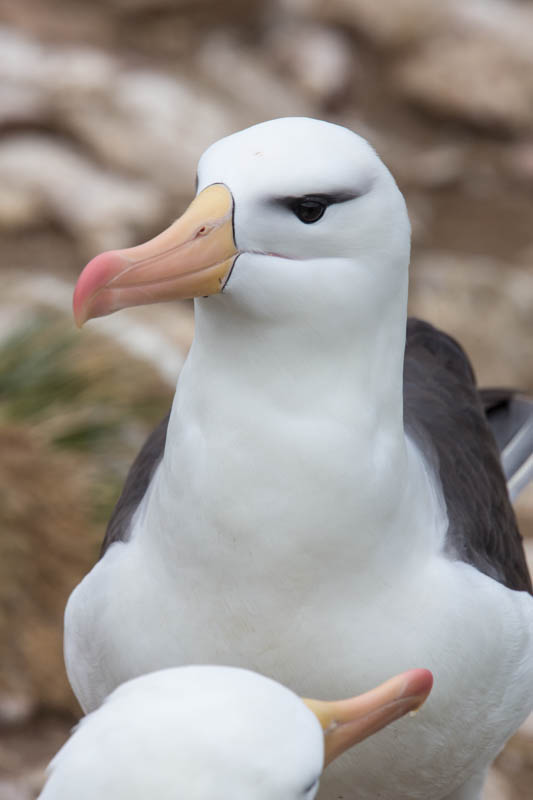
x,y
205,732
329,507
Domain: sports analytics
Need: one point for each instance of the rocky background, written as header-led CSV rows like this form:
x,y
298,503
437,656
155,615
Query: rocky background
x,y
104,110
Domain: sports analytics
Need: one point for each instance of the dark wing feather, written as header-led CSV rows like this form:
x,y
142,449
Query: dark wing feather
x,y
137,482
444,415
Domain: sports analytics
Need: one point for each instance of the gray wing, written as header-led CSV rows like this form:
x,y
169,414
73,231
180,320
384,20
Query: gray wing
x,y
445,415
137,482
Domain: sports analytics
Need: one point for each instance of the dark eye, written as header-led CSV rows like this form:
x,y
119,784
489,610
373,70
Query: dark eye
x,y
308,210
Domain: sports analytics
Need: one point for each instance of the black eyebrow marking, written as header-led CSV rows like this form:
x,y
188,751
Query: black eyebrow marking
x,y
328,199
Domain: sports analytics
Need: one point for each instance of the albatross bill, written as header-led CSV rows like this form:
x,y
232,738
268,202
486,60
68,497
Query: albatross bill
x,y
192,258
347,722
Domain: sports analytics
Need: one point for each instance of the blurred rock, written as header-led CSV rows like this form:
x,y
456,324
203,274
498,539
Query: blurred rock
x,y
140,121
511,21
388,23
434,167
321,60
244,76
519,161
152,125
15,709
43,179
166,29
173,28
486,305
49,73
397,25
15,790
473,77
25,753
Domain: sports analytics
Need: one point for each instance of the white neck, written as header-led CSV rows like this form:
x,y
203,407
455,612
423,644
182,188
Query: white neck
x,y
264,438
303,358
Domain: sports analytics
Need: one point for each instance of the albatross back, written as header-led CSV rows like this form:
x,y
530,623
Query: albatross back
x,y
444,413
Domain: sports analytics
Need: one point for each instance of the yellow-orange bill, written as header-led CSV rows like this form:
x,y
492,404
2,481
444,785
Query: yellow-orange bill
x,y
191,258
347,722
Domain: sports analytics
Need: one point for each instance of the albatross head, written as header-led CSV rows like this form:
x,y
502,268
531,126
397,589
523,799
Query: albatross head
x,y
293,217
218,733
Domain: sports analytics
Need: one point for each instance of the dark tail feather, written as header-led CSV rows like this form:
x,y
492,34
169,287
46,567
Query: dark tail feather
x,y
510,416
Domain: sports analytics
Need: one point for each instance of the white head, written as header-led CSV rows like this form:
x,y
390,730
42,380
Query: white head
x,y
294,217
197,733
217,733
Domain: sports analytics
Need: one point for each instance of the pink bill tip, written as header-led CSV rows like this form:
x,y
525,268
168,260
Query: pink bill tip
x,y
94,277
418,683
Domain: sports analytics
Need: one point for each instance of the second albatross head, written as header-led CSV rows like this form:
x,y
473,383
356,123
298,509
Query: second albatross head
x,y
292,216
218,733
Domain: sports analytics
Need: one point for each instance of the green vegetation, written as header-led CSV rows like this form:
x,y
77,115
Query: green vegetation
x,y
80,392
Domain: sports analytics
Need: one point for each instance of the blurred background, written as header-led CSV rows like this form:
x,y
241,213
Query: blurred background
x,y
104,110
